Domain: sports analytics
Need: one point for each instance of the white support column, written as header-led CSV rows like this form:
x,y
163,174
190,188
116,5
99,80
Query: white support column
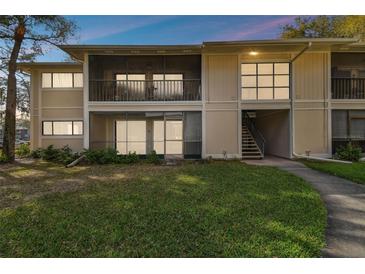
x,y
40,117
292,110
329,105
86,100
203,98
239,111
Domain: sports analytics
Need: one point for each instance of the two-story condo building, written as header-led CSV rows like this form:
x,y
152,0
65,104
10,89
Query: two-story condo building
x,y
239,99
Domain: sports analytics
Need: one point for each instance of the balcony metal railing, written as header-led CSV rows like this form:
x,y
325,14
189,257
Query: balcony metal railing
x,y
348,88
145,90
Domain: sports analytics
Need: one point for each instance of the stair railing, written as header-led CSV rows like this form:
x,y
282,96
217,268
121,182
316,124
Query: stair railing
x,y
256,134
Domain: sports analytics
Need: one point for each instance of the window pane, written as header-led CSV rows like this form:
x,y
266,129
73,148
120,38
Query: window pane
x,y
248,94
174,130
248,69
265,93
136,136
357,128
121,77
78,128
265,81
158,147
62,80
339,124
46,80
248,81
47,128
281,93
137,147
78,80
281,68
136,131
62,128
174,85
121,147
265,68
282,80
158,131
121,128
136,86
174,147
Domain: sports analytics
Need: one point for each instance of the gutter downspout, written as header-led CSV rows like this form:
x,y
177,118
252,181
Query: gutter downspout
x,y
293,98
320,159
292,119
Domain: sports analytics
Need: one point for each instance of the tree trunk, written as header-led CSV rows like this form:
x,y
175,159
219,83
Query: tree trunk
x,y
10,112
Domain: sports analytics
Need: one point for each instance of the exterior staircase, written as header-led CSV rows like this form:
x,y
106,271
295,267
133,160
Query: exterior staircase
x,y
250,147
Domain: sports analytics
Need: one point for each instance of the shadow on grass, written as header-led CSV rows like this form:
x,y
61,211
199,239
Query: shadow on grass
x,y
214,210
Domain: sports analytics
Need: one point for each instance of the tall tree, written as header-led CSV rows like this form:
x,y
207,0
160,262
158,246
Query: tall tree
x,y
341,26
29,32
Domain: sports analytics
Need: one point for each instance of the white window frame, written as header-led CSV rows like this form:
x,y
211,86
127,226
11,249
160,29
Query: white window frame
x,y
273,86
73,80
53,121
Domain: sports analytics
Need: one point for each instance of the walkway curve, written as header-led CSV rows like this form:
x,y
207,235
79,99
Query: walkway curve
x,y
345,203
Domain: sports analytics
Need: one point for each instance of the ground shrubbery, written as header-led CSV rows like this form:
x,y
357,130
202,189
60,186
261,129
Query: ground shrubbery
x,y
62,155
92,156
22,151
349,152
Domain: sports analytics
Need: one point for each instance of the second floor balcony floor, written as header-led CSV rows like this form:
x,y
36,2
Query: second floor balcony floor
x,y
145,78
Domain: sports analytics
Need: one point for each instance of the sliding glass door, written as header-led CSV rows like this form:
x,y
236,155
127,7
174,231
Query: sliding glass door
x,y
169,133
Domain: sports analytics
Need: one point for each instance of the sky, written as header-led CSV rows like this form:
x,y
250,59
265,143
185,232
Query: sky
x,y
169,30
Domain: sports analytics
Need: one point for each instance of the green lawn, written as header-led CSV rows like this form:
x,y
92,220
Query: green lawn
x,y
220,209
354,172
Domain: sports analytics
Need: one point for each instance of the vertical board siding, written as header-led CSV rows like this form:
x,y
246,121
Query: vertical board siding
x,y
222,77
311,76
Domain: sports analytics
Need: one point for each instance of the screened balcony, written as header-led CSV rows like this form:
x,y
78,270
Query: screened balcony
x,y
348,76
145,78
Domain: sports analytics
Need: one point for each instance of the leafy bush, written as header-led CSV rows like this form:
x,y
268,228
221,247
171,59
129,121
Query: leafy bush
x,y
58,155
37,153
3,158
23,150
349,152
101,156
109,156
130,158
153,158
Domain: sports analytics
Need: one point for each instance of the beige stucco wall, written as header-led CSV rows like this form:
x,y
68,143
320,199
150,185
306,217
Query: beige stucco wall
x,y
275,127
221,133
222,115
54,104
311,75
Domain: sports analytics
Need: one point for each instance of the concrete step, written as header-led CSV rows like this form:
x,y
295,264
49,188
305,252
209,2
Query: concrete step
x,y
250,152
252,157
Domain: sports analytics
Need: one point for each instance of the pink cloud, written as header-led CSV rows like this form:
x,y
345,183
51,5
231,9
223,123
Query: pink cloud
x,y
254,29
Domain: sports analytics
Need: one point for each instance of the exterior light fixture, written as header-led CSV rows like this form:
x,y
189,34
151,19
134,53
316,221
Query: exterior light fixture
x,y
253,53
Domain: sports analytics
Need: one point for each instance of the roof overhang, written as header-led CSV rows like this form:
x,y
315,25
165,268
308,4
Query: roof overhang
x,y
284,45
28,67
78,51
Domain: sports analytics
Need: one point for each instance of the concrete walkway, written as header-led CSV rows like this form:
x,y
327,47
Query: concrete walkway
x,y
345,202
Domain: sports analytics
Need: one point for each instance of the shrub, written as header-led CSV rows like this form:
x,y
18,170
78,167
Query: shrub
x,y
3,158
50,154
101,156
349,152
153,158
37,153
58,155
131,158
23,150
66,156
